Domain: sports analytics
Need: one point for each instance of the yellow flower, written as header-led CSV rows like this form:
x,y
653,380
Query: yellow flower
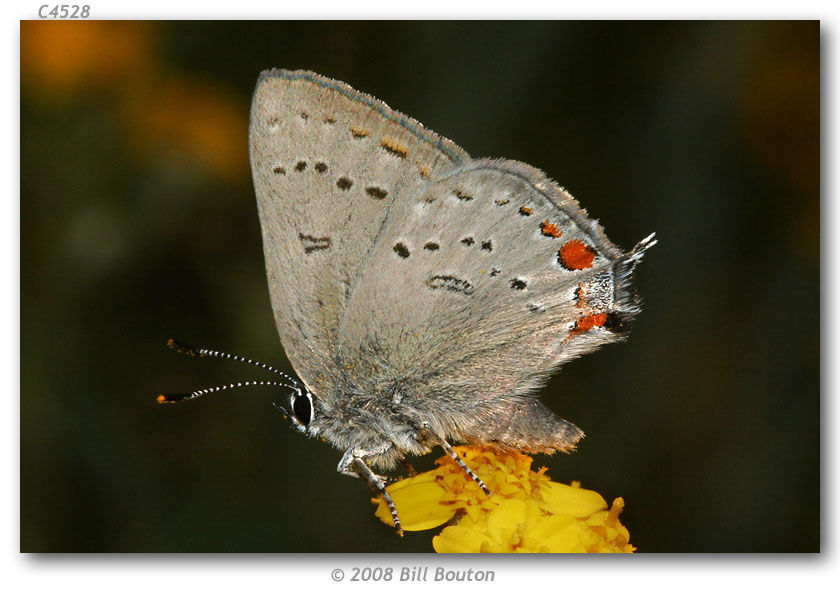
x,y
525,512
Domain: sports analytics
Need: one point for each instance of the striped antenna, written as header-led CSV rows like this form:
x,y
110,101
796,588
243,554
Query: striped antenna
x,y
172,398
204,352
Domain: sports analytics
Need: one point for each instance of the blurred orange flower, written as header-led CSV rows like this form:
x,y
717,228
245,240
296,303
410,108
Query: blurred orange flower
x,y
184,116
59,59
164,116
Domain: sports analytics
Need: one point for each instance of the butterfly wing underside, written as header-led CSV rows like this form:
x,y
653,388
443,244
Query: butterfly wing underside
x,y
407,276
328,163
486,282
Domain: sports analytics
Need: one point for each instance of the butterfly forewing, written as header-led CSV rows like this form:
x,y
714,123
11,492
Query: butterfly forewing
x,y
328,163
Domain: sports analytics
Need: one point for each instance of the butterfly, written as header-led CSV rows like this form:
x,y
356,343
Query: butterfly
x,y
421,296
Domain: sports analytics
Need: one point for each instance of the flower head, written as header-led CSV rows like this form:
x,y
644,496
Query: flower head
x,y
525,512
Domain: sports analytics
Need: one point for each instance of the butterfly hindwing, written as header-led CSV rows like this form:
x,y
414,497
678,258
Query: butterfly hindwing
x,y
484,283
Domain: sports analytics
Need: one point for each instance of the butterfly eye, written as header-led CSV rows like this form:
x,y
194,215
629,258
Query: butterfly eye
x,y
302,408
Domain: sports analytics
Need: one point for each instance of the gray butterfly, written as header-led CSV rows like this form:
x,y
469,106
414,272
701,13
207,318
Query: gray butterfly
x,y
422,296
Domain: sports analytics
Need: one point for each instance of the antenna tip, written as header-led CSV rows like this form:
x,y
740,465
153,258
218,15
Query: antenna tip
x,y
170,398
174,344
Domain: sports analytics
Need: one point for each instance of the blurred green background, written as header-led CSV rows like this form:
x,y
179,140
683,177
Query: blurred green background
x,y
138,222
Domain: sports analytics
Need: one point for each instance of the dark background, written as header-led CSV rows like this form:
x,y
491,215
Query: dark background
x,y
138,222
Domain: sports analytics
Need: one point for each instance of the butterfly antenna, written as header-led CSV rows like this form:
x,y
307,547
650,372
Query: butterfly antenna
x,y
203,352
172,398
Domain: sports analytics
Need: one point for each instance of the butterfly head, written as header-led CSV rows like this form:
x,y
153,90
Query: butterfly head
x,y
300,408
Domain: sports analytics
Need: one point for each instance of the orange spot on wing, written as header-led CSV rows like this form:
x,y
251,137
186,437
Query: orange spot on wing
x,y
394,147
525,210
549,229
588,322
359,132
576,255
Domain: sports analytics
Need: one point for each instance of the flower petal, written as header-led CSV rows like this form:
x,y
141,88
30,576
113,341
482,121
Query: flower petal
x,y
555,533
418,506
558,498
464,539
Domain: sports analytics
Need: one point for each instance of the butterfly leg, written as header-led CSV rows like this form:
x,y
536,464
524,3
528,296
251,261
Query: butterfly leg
x,y
408,467
353,464
427,434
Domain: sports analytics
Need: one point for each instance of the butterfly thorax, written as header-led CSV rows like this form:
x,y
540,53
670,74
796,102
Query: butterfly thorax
x,y
385,423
